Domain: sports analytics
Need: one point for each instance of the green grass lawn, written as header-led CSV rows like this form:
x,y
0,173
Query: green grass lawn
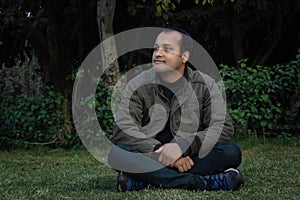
x,y
271,169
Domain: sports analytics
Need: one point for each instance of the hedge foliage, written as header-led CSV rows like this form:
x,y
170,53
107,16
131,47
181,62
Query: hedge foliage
x,y
32,119
263,100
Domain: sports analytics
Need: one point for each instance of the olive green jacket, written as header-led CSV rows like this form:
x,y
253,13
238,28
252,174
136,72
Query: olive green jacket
x,y
198,117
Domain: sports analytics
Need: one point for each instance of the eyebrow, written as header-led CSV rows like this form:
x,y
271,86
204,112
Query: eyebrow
x,y
165,45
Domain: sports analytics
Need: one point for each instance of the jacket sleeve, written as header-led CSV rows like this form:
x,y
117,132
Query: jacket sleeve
x,y
127,124
216,123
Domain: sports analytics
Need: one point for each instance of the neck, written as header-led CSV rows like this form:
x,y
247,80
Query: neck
x,y
172,76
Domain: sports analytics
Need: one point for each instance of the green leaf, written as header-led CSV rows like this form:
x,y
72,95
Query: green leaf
x,y
265,98
270,126
58,101
165,16
263,123
158,9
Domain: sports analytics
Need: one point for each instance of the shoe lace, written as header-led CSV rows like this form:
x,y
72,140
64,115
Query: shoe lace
x,y
218,181
136,184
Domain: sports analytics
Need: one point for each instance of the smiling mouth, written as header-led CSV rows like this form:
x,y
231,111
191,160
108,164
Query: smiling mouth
x,y
159,62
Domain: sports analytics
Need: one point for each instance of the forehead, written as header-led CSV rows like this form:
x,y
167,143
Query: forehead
x,y
168,38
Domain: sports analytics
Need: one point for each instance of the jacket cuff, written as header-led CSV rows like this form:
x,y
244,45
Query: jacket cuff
x,y
185,147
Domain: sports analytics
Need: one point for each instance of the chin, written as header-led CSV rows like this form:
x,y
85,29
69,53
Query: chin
x,y
161,68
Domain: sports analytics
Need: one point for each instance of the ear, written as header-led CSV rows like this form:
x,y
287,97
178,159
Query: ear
x,y
185,56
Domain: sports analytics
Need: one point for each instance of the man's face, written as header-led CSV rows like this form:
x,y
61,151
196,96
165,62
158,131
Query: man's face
x,y
167,54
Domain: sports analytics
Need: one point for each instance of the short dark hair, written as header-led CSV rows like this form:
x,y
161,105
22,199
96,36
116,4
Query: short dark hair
x,y
186,41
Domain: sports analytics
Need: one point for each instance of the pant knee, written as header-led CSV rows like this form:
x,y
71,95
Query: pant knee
x,y
233,152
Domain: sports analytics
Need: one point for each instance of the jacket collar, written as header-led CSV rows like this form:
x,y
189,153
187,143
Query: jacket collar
x,y
184,93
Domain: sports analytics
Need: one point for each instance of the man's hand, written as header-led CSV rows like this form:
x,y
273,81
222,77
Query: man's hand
x,y
183,164
169,153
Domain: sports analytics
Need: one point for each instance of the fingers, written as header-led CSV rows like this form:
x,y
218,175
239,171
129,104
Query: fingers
x,y
191,162
184,167
187,166
184,164
181,169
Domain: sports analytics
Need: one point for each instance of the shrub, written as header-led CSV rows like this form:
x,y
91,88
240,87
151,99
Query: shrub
x,y
103,108
98,103
32,119
258,96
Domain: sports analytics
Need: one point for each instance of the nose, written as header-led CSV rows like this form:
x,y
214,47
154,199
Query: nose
x,y
158,52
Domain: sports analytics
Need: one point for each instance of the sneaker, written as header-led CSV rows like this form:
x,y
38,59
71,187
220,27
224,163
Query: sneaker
x,y
126,183
231,179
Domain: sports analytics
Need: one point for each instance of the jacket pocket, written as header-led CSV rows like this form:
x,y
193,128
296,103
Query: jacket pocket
x,y
190,116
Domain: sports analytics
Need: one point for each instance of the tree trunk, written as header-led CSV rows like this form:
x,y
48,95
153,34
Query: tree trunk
x,y
55,46
105,15
55,62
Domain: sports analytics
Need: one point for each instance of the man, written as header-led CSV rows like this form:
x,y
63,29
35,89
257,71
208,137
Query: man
x,y
171,127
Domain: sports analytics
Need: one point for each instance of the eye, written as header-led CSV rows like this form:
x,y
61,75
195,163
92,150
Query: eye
x,y
168,49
